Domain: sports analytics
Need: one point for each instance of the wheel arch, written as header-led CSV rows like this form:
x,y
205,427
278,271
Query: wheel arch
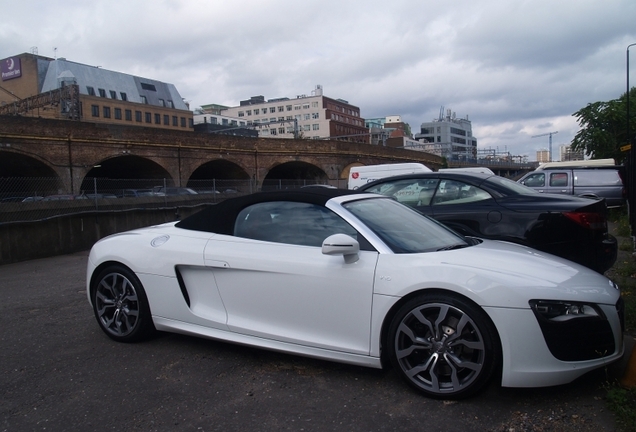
x,y
386,323
98,270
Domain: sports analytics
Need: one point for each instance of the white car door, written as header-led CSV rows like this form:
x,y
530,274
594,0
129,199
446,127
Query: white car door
x,y
292,292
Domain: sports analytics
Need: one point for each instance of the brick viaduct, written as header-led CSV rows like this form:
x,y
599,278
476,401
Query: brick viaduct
x,y
72,150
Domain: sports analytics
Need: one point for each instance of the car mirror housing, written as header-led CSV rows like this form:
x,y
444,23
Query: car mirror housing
x,y
342,244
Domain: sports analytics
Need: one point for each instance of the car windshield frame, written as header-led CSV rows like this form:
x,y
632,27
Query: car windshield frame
x,y
403,229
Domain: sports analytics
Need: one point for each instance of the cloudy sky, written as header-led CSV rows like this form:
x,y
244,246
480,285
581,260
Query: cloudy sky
x,y
516,68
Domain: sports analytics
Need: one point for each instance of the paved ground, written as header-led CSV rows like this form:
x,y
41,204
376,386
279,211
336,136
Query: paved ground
x,y
59,372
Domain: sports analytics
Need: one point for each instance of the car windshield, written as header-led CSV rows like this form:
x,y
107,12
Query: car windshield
x,y
402,229
512,187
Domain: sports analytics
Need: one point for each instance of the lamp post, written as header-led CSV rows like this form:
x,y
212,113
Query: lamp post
x,y
629,138
632,157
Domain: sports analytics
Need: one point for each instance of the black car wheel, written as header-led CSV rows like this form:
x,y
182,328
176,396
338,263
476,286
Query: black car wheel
x,y
443,345
121,306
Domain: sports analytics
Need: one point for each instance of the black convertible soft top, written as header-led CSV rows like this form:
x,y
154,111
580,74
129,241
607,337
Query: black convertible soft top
x,y
220,218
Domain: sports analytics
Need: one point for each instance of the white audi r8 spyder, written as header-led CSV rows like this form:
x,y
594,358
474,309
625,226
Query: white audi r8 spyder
x,y
361,279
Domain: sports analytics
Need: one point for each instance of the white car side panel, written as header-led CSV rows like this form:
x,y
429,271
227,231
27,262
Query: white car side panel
x,y
338,356
295,293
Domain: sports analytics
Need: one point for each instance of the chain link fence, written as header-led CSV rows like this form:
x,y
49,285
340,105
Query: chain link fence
x,y
40,198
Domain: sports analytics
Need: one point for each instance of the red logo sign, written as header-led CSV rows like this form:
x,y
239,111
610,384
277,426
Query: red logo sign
x,y
355,175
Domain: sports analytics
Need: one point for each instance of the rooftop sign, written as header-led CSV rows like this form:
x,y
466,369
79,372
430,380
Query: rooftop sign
x,y
10,68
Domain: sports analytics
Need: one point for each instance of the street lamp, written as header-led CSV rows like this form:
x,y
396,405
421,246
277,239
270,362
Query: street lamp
x,y
632,158
629,138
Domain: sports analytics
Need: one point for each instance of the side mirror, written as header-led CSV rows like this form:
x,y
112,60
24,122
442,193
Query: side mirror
x,y
342,244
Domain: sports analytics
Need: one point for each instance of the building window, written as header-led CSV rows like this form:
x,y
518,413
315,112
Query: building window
x,y
113,94
150,87
128,114
171,104
241,114
191,123
281,118
296,107
314,104
124,96
102,93
183,122
289,107
143,99
138,116
166,120
117,113
106,112
315,126
175,121
90,90
148,117
305,106
307,116
272,131
224,122
157,118
272,109
248,112
95,110
281,108
162,102
315,116
306,127
257,111
281,130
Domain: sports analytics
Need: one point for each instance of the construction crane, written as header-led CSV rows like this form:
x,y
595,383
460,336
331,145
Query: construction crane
x,y
548,134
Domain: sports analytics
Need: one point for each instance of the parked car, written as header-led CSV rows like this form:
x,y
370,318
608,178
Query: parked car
x,y
496,208
64,197
581,178
361,279
174,190
130,193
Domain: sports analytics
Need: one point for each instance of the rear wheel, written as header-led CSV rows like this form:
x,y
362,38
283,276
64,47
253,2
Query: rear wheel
x,y
121,306
443,346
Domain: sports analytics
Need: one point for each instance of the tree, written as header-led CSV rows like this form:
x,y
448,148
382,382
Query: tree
x,y
604,127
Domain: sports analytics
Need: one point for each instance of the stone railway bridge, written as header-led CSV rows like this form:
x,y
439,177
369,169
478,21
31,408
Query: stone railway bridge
x,y
75,151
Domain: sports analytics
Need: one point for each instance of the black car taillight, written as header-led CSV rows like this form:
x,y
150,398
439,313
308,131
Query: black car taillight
x,y
594,221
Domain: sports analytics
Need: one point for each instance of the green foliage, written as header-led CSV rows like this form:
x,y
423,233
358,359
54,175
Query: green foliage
x,y
604,127
622,403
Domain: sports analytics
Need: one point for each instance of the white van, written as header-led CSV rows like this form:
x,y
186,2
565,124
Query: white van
x,y
482,170
361,175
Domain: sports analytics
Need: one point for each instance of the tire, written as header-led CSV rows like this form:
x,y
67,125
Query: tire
x,y
121,306
444,346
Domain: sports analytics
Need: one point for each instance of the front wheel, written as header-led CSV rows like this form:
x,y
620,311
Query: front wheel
x,y
121,306
443,346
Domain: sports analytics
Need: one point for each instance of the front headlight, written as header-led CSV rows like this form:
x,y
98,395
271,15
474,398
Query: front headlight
x,y
557,311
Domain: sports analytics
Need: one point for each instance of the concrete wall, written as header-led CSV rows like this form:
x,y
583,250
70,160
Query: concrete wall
x,y
73,233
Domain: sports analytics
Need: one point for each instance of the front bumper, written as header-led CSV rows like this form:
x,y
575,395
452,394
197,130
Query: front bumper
x,y
527,359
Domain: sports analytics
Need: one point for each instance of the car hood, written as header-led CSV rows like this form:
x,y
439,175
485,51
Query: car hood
x,y
496,273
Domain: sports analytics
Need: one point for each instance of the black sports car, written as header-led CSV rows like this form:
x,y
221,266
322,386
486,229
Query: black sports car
x,y
493,207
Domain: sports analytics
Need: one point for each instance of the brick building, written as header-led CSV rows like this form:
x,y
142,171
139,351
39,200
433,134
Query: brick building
x,y
315,116
28,81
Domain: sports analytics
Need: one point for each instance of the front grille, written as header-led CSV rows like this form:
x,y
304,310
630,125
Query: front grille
x,y
578,339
